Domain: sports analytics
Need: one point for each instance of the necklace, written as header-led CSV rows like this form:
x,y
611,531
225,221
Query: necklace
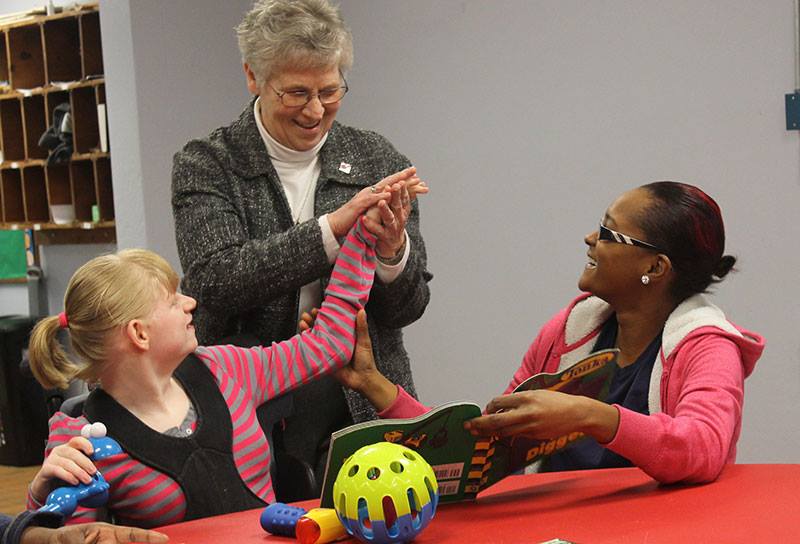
x,y
309,186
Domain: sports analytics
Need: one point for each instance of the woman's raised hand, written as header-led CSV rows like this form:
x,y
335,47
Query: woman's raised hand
x,y
342,219
387,219
68,462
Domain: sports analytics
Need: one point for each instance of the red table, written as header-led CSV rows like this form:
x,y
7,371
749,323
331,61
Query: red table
x,y
748,503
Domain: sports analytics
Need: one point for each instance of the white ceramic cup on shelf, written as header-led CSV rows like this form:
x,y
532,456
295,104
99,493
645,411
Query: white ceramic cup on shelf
x,y
62,213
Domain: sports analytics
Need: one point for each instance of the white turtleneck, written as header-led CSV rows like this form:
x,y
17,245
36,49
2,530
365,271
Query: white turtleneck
x,y
298,172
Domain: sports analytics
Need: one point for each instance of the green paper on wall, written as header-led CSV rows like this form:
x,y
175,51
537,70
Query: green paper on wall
x,y
13,262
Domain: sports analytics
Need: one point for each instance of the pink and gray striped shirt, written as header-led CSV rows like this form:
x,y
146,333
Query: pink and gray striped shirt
x,y
246,377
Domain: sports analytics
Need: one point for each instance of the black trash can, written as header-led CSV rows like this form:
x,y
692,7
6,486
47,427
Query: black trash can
x,y
23,409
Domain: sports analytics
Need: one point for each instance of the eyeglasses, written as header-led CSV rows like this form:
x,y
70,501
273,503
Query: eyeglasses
x,y
299,98
609,235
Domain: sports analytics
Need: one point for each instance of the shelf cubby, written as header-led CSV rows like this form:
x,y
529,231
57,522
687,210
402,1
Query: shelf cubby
x,y
53,98
63,47
11,129
91,47
34,193
85,130
59,189
34,125
26,57
11,186
83,189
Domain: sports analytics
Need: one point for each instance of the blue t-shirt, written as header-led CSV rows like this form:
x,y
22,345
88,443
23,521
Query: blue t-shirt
x,y
629,388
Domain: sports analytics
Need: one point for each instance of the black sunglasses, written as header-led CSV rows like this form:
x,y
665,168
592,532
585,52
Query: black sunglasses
x,y
609,235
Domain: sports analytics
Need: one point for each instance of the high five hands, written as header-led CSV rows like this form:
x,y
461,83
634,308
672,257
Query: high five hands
x,y
387,219
387,206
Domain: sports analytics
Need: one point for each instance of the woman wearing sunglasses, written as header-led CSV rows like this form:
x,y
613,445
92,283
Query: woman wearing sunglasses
x,y
675,405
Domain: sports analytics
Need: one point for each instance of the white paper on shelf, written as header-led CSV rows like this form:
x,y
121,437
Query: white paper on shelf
x,y
102,125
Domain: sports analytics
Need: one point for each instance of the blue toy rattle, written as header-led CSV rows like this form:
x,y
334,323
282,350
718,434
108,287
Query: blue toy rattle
x,y
65,500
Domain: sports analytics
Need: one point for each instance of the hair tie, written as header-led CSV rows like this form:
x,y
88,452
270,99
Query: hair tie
x,y
62,320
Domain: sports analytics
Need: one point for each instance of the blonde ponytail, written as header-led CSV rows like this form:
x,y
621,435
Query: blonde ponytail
x,y
48,360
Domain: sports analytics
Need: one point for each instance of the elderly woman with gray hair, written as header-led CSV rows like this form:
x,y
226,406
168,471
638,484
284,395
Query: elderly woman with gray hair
x,y
261,204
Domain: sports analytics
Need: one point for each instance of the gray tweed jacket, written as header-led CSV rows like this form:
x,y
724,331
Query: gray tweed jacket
x,y
244,260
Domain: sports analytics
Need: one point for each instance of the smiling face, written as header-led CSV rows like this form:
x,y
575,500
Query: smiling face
x,y
615,269
170,328
299,128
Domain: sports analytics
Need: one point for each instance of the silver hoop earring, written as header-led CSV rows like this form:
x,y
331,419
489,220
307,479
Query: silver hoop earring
x,y
645,279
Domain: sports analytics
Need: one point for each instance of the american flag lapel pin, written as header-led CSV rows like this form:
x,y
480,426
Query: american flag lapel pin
x,y
345,167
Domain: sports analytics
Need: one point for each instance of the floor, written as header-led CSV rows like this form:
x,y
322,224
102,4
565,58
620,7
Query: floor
x,y
14,485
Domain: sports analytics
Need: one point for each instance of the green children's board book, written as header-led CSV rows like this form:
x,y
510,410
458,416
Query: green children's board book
x,y
464,464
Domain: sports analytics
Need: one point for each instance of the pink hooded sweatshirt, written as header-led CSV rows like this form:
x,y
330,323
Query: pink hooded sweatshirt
x,y
696,387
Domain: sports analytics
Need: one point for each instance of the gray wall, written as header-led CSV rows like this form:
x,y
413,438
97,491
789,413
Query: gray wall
x,y
527,118
13,299
172,73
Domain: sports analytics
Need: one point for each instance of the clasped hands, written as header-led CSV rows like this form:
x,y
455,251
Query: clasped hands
x,y
386,207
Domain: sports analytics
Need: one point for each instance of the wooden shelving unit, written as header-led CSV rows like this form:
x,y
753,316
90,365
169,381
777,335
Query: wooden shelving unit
x,y
46,60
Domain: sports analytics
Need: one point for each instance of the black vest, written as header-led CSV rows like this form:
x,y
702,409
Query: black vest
x,y
202,464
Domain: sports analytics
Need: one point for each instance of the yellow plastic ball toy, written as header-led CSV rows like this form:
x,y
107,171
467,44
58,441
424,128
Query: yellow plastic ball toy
x,y
385,493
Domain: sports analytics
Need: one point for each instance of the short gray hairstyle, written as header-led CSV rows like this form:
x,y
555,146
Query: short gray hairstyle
x,y
277,34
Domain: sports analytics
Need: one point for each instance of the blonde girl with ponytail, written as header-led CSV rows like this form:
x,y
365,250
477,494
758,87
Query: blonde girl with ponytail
x,y
184,415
